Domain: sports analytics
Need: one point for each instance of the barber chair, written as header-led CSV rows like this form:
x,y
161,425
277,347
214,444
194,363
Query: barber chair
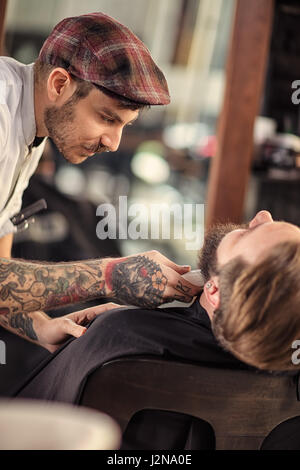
x,y
242,406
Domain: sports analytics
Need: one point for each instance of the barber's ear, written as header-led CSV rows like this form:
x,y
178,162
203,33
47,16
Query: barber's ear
x,y
212,293
60,85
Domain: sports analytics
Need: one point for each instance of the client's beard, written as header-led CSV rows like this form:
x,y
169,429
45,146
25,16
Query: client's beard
x,y
207,260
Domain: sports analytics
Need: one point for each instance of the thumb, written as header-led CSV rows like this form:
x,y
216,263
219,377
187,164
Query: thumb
x,y
71,328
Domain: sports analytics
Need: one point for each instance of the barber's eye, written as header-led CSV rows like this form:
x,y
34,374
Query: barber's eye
x,y
107,119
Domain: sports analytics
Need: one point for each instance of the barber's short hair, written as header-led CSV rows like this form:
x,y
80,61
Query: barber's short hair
x,y
259,314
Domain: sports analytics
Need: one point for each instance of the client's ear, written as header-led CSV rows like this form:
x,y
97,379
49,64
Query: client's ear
x,y
212,293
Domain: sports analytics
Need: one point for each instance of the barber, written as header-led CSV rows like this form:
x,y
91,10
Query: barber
x,y
91,79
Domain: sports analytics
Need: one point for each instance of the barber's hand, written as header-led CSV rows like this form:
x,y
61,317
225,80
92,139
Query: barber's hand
x,y
54,332
147,280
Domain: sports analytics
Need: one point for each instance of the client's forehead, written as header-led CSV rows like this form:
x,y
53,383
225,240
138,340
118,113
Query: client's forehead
x,y
253,243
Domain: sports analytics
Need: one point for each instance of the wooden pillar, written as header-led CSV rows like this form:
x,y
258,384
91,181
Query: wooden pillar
x,y
245,73
2,20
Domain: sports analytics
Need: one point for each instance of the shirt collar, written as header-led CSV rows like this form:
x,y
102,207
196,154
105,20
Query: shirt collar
x,y
27,104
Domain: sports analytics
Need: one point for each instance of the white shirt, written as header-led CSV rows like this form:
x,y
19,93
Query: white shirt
x,y
17,132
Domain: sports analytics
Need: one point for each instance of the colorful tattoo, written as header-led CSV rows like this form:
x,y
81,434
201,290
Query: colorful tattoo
x,y
139,280
28,287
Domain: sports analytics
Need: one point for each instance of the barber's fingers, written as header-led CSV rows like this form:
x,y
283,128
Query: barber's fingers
x,y
73,324
159,258
86,315
73,329
163,260
93,312
179,288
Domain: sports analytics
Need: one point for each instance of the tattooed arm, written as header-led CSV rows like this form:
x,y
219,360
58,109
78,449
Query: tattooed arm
x,y
22,324
145,280
51,333
28,287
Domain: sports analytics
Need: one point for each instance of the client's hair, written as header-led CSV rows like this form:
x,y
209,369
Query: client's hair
x,y
259,314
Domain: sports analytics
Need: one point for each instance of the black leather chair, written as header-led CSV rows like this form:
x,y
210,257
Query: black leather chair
x,y
241,406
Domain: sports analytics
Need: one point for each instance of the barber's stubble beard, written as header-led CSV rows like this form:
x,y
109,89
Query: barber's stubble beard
x,y
59,123
207,260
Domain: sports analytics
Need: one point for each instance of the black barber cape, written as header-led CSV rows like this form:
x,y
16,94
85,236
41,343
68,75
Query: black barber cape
x,y
179,333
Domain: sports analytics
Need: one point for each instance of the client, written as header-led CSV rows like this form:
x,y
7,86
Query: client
x,y
251,273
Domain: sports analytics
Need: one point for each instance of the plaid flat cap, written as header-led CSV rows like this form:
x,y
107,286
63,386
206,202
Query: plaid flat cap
x,y
99,49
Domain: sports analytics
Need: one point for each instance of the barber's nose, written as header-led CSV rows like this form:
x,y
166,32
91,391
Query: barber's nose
x,y
112,139
261,217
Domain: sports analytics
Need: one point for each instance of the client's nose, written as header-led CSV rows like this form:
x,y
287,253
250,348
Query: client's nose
x,y
261,217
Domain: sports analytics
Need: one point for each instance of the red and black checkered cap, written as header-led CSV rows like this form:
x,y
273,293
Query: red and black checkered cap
x,y
99,49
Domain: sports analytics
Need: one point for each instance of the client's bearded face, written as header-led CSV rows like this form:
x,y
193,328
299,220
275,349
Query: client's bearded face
x,y
208,262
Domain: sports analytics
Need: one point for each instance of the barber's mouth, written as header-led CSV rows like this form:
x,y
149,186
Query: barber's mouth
x,y
88,151
91,152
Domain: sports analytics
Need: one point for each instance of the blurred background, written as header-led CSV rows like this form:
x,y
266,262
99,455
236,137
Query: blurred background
x,y
167,156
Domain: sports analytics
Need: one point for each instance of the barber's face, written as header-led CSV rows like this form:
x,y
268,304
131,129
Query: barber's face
x,y
93,124
255,241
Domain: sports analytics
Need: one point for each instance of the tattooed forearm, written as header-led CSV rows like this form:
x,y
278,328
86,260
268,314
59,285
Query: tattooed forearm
x,y
137,280
21,324
27,287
